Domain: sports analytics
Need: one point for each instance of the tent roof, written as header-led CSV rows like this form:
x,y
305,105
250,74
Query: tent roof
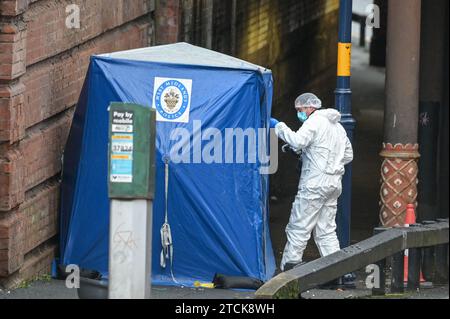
x,y
185,54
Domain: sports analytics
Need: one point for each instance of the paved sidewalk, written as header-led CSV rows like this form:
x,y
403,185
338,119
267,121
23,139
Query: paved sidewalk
x,y
55,289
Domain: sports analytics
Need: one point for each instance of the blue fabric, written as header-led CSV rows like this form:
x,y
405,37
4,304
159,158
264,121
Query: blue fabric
x,y
218,212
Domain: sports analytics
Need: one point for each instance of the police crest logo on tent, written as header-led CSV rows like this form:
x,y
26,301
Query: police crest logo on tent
x,y
172,99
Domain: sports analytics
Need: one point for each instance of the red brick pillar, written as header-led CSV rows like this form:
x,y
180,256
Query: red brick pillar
x,y
167,21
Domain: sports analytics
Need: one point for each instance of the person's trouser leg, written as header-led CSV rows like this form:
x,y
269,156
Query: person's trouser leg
x,y
304,216
325,231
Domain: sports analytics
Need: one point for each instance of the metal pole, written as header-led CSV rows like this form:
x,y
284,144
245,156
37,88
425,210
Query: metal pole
x,y
400,149
428,259
382,266
343,101
402,72
414,263
397,284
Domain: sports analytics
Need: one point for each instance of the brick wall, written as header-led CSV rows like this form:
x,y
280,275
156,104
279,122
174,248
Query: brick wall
x,y
42,68
167,21
43,65
296,39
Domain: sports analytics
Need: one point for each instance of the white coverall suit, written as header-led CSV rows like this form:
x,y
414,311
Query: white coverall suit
x,y
326,149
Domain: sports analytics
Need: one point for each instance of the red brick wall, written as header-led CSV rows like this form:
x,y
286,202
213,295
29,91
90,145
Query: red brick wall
x,y
167,21
43,65
296,39
42,68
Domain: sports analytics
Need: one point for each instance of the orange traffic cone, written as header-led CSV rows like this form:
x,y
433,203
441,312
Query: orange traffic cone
x,y
410,219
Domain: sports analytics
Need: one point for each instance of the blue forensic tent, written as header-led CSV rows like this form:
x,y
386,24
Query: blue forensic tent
x,y
218,212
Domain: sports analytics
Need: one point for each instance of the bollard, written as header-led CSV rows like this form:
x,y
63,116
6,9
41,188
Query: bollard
x,y
441,261
414,262
441,264
381,290
428,258
397,284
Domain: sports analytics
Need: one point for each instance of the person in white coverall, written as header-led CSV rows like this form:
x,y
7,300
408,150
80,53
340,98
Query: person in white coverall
x,y
325,150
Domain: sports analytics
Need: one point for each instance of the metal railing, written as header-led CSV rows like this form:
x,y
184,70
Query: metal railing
x,y
427,244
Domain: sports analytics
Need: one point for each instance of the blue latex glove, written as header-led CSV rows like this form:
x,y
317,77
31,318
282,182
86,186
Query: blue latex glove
x,y
273,122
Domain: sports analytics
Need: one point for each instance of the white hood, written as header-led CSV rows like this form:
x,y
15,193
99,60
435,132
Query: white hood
x,y
331,114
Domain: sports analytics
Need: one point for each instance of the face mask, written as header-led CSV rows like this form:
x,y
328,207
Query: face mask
x,y
302,116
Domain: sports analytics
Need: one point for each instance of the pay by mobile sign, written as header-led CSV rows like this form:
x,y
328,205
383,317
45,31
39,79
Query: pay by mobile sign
x,y
131,159
122,142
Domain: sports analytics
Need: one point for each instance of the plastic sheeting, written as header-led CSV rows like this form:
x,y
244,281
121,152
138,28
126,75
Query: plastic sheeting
x,y
218,212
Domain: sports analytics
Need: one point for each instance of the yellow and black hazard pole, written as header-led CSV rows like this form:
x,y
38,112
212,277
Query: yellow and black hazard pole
x,y
343,102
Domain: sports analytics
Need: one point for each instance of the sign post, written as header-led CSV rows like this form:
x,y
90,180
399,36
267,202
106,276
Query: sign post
x,y
131,181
